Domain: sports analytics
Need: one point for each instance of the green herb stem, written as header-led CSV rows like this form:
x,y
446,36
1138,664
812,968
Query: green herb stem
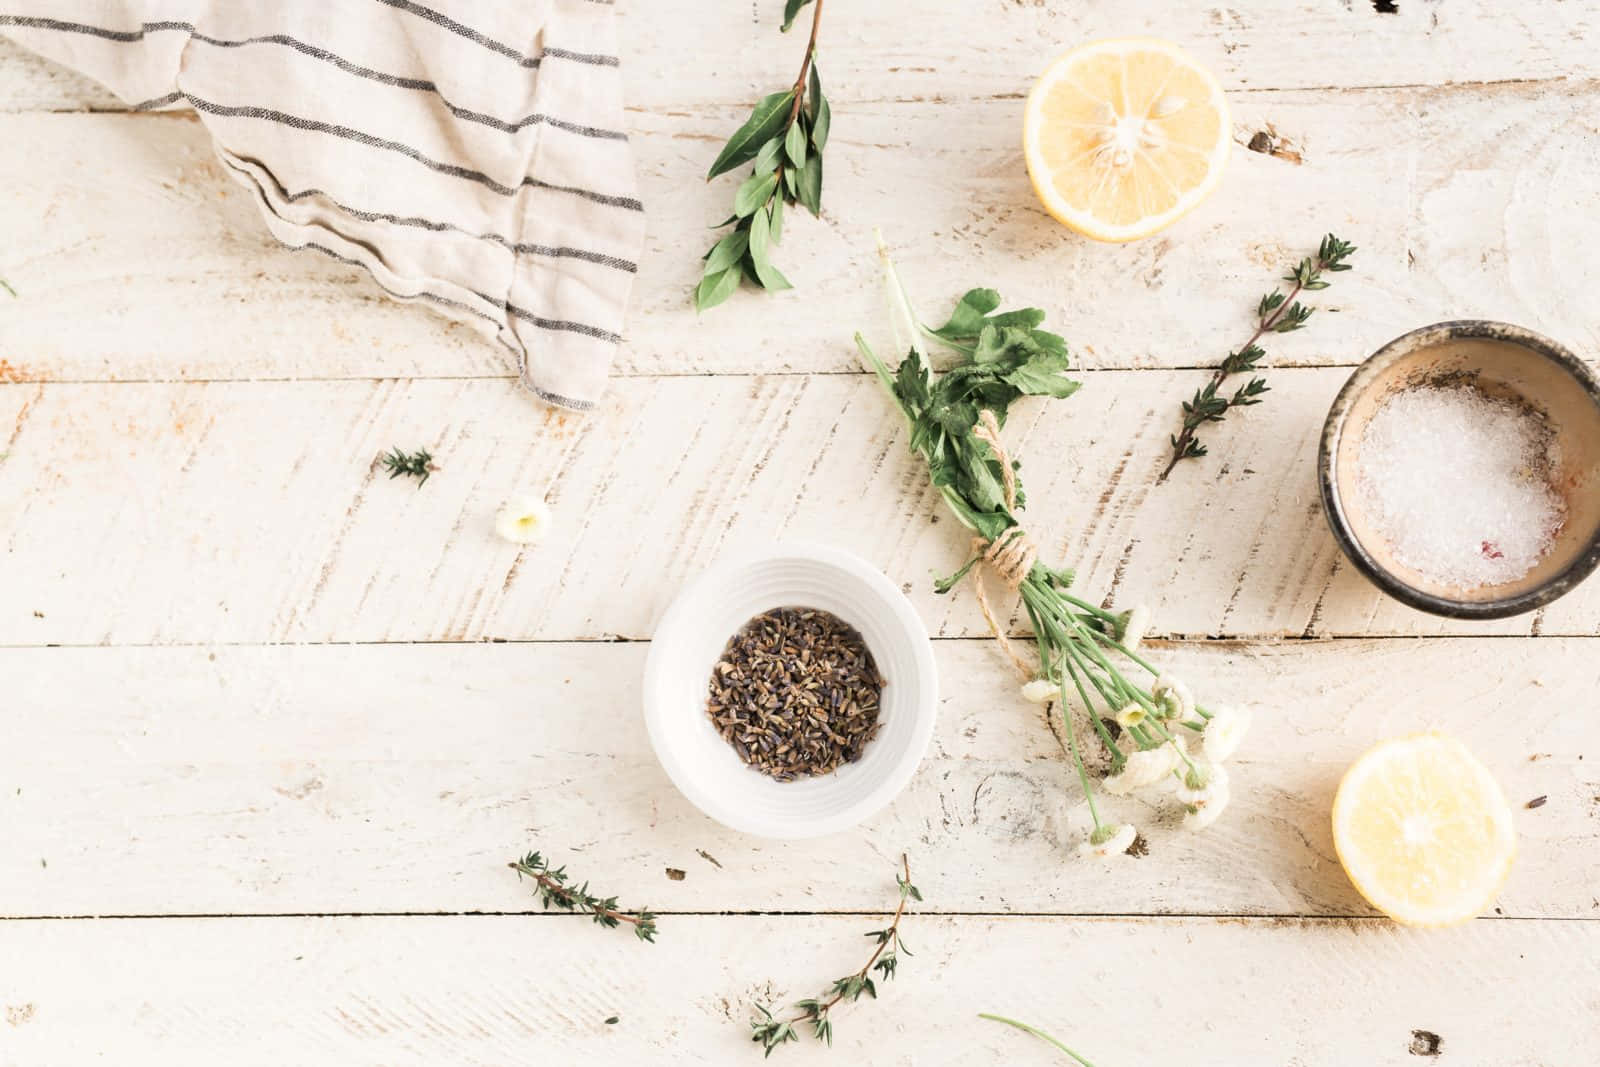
x,y
1040,1034
556,891
1275,313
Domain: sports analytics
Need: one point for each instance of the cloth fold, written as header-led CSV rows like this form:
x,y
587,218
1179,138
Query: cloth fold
x,y
472,156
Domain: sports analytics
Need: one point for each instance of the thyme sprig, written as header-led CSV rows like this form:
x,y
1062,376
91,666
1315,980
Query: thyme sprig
x,y
1276,312
784,137
770,1031
418,464
556,890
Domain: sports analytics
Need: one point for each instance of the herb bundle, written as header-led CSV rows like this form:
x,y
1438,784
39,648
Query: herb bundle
x,y
1275,313
784,137
955,419
557,891
770,1031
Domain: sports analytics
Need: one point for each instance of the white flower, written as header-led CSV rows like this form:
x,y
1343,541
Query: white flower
x,y
1040,691
1142,768
1130,716
1109,841
1198,817
1202,782
524,519
1135,623
1174,698
1224,732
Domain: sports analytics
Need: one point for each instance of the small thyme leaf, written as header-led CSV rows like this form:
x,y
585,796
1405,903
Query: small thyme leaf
x,y
1276,312
556,890
7,285
418,464
769,1031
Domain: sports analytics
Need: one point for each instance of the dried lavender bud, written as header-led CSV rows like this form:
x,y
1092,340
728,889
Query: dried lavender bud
x,y
796,693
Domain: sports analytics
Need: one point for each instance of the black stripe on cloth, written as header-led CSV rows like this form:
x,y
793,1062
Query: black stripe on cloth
x,y
522,367
399,81
631,203
446,22
361,137
550,251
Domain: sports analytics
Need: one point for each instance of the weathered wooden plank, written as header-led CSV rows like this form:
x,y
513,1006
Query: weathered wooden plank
x,y
508,990
240,512
402,778
679,56
1470,201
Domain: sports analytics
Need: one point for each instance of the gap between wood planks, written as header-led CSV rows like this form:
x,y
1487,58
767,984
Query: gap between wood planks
x,y
1241,641
1221,917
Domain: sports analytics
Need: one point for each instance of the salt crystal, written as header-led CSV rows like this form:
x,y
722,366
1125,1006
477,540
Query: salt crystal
x,y
1458,484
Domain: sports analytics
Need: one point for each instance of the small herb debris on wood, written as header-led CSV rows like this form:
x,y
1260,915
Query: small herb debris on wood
x,y
770,1031
784,137
1040,1034
955,419
796,693
7,287
1275,313
557,891
418,464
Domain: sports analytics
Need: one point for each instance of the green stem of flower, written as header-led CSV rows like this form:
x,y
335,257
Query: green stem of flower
x,y
1117,754
1084,605
1111,642
1077,757
1040,1034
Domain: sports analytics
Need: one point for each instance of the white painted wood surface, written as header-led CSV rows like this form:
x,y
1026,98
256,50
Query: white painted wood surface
x,y
296,704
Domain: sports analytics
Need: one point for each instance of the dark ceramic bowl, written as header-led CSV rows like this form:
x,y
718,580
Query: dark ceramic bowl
x,y
1501,360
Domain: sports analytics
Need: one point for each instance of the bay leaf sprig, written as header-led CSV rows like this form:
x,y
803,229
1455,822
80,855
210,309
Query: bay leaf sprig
x,y
783,139
556,890
770,1030
1277,312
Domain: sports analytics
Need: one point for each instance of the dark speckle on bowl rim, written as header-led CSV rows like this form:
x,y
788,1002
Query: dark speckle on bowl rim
x,y
1426,337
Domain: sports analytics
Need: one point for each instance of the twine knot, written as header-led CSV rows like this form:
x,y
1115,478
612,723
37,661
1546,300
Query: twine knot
x,y
1012,554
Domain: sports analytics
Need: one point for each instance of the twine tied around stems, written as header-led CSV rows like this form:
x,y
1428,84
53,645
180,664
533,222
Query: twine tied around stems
x,y
1012,554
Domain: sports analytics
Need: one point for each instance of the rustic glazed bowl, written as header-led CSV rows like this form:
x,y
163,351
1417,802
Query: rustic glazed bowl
x,y
1502,360
689,640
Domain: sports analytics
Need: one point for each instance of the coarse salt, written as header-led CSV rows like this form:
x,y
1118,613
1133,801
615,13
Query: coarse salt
x,y
1458,484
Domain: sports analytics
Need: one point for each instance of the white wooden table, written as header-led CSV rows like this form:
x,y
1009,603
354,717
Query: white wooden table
x,y
272,724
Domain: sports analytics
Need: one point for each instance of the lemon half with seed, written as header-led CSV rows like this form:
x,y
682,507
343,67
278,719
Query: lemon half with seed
x,y
1423,830
1123,137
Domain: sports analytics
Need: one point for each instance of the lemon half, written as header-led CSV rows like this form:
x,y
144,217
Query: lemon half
x,y
1122,137
1423,830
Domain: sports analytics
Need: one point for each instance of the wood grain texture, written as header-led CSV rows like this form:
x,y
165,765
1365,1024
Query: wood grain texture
x,y
501,991
240,512
1470,201
335,779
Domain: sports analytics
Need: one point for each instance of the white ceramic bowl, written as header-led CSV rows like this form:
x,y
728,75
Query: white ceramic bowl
x,y
690,638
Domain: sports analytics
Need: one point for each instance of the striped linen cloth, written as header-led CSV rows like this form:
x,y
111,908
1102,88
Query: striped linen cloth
x,y
467,154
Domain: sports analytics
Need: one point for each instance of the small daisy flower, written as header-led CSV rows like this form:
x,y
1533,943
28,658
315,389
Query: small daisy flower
x,y
1040,691
1135,624
1201,783
1174,698
1130,716
1198,817
1109,841
1142,768
1224,732
524,520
